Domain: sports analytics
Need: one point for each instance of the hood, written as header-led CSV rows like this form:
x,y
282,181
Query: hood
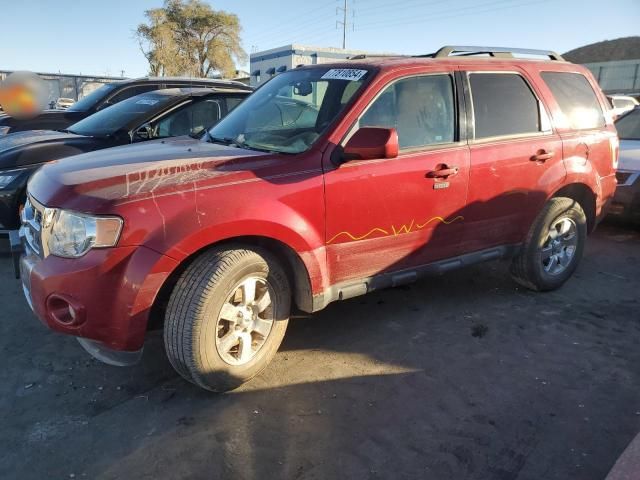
x,y
20,139
629,155
49,119
96,181
35,146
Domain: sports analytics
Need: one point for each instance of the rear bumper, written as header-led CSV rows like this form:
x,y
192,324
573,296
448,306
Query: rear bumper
x,y
105,296
605,199
626,201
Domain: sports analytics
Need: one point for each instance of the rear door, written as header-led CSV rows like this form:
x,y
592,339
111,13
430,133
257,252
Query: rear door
x,y
516,157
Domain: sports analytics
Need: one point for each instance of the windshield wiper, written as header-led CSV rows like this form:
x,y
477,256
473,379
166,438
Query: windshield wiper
x,y
223,141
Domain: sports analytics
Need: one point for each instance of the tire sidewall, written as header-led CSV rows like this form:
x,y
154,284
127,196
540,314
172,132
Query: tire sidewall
x,y
212,369
558,210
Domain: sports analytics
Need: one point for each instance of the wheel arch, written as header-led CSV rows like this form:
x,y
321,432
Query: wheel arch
x,y
584,195
297,272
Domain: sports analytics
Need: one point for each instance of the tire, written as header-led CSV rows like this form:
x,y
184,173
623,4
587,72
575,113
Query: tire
x,y
199,335
545,263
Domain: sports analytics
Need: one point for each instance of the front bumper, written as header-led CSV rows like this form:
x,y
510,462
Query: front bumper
x,y
104,297
626,201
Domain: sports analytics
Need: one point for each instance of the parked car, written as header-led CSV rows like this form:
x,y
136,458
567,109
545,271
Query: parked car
x,y
106,95
412,166
151,115
626,203
621,104
64,103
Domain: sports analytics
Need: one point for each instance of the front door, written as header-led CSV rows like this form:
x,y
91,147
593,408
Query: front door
x,y
386,215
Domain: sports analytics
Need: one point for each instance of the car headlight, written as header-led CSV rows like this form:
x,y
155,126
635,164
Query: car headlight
x,y
9,176
74,234
4,130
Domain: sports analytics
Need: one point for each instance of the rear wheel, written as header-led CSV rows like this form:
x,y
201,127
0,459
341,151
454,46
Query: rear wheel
x,y
554,246
226,317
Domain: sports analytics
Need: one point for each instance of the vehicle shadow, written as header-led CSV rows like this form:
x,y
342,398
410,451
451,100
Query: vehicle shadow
x,y
464,375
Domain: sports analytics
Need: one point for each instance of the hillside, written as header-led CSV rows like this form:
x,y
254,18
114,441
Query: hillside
x,y
627,48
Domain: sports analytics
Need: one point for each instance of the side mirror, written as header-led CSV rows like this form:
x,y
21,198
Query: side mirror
x,y
145,132
370,143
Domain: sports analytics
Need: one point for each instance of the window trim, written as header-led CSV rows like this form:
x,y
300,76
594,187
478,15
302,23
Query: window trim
x,y
471,119
459,134
603,111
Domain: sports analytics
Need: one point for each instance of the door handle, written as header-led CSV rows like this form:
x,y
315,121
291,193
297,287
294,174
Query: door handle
x,y
542,156
443,172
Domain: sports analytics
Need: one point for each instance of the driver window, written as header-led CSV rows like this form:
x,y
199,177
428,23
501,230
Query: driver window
x,y
192,119
421,109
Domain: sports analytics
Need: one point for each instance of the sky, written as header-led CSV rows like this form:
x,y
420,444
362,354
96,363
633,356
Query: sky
x,y
96,37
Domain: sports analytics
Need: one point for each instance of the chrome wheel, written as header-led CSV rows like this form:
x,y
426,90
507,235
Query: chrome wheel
x,y
245,321
560,246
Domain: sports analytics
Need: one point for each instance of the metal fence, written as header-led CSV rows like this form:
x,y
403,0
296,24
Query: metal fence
x,y
622,76
69,86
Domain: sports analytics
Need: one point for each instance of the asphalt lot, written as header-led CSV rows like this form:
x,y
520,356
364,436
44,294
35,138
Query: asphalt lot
x,y
465,376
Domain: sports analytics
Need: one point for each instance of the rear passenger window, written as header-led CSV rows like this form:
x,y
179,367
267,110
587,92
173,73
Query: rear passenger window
x,y
503,104
421,109
577,100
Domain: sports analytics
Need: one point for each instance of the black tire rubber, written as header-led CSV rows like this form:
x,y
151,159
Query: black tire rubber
x,y
526,268
194,305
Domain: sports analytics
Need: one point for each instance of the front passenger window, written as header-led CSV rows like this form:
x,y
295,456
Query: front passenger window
x,y
421,109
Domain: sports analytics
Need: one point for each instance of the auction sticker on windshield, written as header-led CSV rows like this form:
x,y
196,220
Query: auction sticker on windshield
x,y
146,102
344,74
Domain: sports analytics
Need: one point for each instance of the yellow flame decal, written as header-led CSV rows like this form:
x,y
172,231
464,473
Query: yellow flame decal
x,y
396,231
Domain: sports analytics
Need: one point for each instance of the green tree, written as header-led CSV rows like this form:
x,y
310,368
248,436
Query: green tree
x,y
188,37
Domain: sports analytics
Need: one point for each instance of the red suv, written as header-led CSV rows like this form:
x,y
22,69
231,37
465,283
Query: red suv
x,y
328,182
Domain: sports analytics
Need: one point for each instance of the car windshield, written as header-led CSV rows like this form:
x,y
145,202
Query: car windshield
x,y
85,103
628,126
111,119
290,112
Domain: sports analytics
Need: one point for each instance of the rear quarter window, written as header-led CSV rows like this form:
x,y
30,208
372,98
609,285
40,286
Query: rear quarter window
x,y
576,98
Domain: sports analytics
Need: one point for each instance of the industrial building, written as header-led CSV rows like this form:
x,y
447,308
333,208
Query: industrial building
x,y
267,63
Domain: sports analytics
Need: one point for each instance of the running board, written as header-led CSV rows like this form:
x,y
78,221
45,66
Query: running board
x,y
359,287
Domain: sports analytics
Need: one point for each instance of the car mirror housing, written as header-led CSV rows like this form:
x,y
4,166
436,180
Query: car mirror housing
x,y
145,132
370,143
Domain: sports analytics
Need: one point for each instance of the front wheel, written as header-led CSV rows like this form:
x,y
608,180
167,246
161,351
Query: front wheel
x,y
226,317
553,247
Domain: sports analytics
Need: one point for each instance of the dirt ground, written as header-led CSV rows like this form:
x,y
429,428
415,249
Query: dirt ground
x,y
465,376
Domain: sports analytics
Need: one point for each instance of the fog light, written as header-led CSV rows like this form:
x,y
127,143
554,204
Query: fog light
x,y
64,310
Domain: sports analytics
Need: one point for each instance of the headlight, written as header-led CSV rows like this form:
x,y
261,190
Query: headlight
x,y
74,234
4,130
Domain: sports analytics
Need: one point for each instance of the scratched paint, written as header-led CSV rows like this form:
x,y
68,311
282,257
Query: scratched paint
x,y
412,227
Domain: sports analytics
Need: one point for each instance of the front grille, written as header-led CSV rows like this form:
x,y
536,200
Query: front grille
x,y
31,231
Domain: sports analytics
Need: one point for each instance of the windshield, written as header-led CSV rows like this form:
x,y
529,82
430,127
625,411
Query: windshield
x,y
85,103
118,116
291,111
628,126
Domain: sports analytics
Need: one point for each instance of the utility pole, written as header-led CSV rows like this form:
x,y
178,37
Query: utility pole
x,y
343,22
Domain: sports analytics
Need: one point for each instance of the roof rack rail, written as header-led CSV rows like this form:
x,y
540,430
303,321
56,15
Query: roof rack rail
x,y
500,52
362,56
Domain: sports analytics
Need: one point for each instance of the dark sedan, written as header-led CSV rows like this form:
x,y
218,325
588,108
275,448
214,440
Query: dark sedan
x,y
105,96
152,115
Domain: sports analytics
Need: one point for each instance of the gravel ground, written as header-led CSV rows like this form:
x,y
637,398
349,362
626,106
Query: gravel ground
x,y
465,376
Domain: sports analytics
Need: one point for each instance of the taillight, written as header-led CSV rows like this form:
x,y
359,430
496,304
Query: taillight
x,y
614,145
